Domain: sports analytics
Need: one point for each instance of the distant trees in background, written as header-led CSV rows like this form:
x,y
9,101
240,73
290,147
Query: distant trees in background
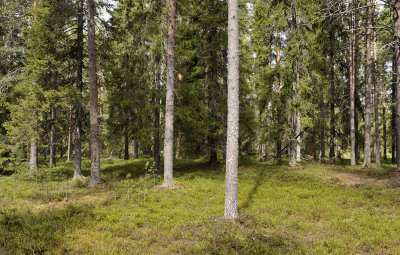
x,y
318,81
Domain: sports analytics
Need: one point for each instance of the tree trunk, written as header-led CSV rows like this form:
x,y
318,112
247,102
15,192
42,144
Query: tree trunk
x,y
94,122
169,102
298,116
368,83
332,108
352,88
384,132
393,107
79,85
53,125
69,147
126,146
376,92
322,128
33,161
356,72
232,146
397,47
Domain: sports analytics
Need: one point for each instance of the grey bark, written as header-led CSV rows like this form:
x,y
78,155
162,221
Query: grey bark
x,y
356,72
232,146
352,108
323,126
33,162
169,102
53,137
368,79
69,147
95,177
79,86
376,92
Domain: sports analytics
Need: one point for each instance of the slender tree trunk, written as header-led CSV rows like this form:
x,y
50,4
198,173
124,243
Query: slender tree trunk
x,y
169,106
95,177
292,149
232,147
322,128
384,132
376,91
126,146
353,161
79,86
397,47
368,83
69,147
298,117
356,72
53,125
279,112
332,109
33,161
393,108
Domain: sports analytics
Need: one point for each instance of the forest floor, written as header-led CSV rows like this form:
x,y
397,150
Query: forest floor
x,y
308,209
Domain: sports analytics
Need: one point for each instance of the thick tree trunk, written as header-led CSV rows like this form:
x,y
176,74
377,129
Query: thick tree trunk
x,y
126,146
79,85
397,47
376,92
368,83
69,145
298,134
169,103
33,161
292,149
232,147
94,122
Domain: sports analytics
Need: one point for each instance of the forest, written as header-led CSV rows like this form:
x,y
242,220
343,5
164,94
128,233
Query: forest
x,y
199,127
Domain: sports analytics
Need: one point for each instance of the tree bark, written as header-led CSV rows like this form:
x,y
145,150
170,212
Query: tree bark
x,y
232,147
376,92
352,102
53,125
79,86
384,132
397,47
322,128
368,83
356,72
33,162
169,105
332,109
126,146
69,145
95,177
393,107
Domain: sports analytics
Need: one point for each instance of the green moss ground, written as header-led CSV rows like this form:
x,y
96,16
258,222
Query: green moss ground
x,y
310,209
